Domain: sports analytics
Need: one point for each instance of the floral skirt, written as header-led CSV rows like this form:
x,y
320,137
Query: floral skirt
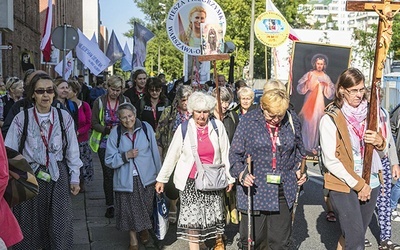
x,y
86,158
133,210
201,214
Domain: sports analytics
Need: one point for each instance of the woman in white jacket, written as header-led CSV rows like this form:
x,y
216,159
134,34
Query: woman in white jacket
x,y
201,215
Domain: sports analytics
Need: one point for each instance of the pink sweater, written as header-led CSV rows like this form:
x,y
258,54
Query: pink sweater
x,y
206,153
10,231
84,122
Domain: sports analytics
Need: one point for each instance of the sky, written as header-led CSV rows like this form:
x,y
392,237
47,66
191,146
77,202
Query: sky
x,y
115,16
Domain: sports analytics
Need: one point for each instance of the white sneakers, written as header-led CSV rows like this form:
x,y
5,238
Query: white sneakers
x,y
395,216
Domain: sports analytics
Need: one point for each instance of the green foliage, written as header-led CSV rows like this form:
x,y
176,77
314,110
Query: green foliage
x,y
237,13
395,45
366,45
317,25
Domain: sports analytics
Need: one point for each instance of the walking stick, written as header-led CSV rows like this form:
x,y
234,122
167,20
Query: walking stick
x,y
250,241
296,201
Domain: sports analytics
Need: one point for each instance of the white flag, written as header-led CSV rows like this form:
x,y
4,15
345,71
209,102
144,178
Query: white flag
x,y
69,66
90,55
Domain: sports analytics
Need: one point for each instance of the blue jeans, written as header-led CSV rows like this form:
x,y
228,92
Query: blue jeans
x,y
395,195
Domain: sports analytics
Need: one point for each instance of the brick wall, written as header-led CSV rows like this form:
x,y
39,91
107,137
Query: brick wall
x,y
29,20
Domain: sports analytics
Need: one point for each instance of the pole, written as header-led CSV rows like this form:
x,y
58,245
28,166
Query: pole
x,y
266,62
64,50
159,59
296,201
249,210
218,92
251,59
275,63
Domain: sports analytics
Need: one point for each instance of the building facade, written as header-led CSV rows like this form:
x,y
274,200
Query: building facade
x,y
29,21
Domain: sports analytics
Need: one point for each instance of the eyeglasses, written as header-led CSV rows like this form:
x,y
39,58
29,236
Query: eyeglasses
x,y
154,90
41,91
354,92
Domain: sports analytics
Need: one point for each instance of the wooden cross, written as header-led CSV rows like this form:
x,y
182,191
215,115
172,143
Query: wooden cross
x,y
384,37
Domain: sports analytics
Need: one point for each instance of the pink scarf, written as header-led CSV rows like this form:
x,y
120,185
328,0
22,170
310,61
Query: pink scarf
x,y
355,116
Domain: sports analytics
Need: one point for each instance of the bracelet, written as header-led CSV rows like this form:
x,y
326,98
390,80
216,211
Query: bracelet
x,y
382,146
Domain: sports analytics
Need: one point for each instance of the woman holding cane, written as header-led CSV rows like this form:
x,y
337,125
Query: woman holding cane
x,y
272,136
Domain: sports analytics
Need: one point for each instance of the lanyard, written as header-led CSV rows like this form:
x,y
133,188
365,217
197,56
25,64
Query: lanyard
x,y
154,110
275,141
45,141
112,111
131,138
360,134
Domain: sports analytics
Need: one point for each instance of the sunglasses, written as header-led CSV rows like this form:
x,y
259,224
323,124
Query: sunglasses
x,y
41,91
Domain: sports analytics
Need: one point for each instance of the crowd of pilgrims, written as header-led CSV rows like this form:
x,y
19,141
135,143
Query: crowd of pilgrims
x,y
138,129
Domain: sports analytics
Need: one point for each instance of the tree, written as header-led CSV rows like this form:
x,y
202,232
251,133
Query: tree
x,y
366,41
237,31
317,25
395,45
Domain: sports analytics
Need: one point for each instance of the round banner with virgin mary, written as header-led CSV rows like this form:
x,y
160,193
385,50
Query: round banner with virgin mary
x,y
187,23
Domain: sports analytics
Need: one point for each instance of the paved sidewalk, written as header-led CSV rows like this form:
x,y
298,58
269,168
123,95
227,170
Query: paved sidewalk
x,y
93,231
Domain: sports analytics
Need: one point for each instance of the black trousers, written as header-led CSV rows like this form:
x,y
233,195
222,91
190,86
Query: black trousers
x,y
270,230
108,175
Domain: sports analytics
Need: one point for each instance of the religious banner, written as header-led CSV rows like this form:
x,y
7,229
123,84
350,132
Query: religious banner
x,y
184,23
90,55
198,72
69,66
212,38
316,67
54,56
271,29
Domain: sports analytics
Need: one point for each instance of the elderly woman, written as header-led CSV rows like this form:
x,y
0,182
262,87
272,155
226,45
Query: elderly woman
x,y
246,99
170,119
344,127
271,135
104,118
133,155
82,132
229,118
15,90
51,148
201,213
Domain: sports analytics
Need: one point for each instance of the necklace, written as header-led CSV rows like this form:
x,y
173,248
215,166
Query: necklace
x,y
202,132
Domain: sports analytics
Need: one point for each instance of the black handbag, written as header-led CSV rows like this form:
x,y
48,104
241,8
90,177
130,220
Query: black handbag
x,y
22,183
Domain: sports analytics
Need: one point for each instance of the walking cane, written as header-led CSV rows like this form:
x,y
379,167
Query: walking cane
x,y
296,201
250,241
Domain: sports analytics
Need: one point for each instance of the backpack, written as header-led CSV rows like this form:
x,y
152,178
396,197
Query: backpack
x,y
144,127
185,126
25,128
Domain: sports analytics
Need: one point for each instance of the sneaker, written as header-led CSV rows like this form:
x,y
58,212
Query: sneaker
x,y
109,212
395,216
367,243
388,244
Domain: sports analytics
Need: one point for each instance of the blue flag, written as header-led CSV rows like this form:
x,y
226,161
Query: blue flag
x,y
114,49
127,59
141,36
